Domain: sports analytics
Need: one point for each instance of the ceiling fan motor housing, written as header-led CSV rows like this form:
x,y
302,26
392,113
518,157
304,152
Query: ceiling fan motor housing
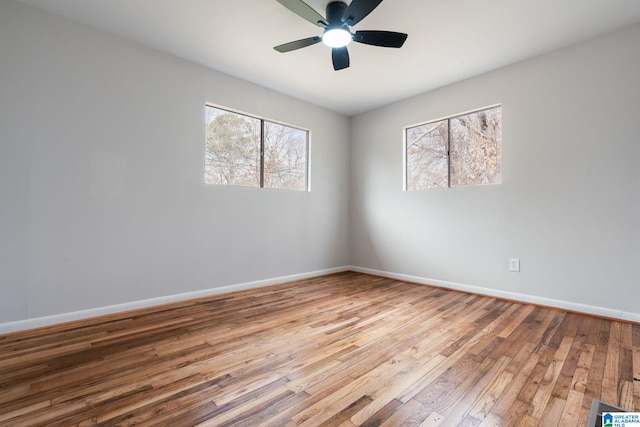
x,y
335,12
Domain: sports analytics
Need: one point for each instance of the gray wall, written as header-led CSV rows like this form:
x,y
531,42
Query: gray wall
x,y
101,176
568,205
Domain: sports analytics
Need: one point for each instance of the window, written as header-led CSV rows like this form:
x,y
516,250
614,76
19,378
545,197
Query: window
x,y
457,151
244,150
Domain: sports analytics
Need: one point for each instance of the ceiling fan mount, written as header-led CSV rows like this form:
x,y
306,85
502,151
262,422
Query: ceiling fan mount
x,y
337,34
335,12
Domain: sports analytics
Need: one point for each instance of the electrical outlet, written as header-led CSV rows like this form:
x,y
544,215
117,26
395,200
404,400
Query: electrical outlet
x,y
514,264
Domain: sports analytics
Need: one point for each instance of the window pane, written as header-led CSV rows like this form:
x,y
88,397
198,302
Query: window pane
x,y
427,163
285,157
232,154
475,145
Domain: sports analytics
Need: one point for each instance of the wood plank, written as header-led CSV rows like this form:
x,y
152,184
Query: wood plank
x,y
545,389
572,409
412,413
635,344
612,364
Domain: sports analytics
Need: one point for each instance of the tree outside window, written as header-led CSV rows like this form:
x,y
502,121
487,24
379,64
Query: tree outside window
x,y
244,150
457,151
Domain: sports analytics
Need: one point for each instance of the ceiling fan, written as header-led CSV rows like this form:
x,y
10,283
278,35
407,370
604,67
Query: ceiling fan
x,y
337,33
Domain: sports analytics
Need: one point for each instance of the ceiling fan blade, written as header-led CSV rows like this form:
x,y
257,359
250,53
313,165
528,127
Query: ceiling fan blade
x,y
305,11
358,10
340,57
298,44
380,38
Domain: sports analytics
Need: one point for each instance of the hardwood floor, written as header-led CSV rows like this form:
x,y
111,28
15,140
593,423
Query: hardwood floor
x,y
341,350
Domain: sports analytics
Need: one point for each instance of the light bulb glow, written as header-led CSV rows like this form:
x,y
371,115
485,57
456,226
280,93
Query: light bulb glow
x,y
336,37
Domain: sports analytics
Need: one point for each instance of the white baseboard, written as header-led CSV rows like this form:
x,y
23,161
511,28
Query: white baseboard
x,y
38,322
21,325
548,302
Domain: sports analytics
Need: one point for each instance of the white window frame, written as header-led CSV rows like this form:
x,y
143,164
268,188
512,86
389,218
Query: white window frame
x,y
405,160
263,120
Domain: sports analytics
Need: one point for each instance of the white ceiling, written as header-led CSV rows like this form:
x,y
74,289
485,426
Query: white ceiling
x,y
449,40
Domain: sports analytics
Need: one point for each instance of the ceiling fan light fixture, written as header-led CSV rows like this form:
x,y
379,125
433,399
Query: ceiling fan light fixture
x,y
337,34
336,37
